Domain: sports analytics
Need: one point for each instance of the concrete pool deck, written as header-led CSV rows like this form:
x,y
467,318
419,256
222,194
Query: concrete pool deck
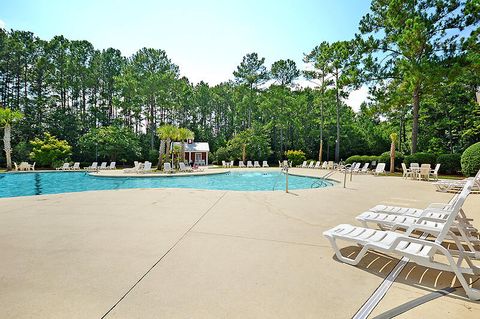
x,y
182,253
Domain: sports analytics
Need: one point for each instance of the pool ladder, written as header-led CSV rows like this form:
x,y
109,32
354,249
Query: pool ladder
x,y
321,181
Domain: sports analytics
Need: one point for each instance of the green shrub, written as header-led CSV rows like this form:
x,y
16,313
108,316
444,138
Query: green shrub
x,y
50,151
222,154
385,158
421,158
361,159
449,163
21,152
296,157
470,160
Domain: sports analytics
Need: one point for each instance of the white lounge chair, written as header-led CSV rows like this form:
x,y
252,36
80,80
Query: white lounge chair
x,y
256,164
380,169
318,164
420,251
331,165
32,168
92,167
224,164
147,167
304,164
103,166
184,168
312,164
287,164
356,168
364,169
231,163
456,185
112,165
434,172
265,164
64,167
76,166
241,164
167,168
249,164
134,169
325,165
406,171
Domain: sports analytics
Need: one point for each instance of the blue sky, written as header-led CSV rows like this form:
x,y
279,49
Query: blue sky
x,y
206,38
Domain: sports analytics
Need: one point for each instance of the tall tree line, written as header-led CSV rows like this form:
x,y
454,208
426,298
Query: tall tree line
x,y
419,58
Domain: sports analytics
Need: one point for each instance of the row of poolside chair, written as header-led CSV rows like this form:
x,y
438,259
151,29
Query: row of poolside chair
x,y
139,167
318,165
445,231
455,186
420,172
255,164
24,166
93,167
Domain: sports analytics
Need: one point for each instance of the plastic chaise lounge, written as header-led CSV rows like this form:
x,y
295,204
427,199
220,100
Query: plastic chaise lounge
x,y
103,166
184,168
135,168
455,186
304,165
265,164
256,164
241,164
418,250
64,167
312,164
364,169
318,164
92,167
112,165
167,168
249,164
76,166
380,169
147,168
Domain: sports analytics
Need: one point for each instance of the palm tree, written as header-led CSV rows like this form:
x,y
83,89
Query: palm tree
x,y
166,133
393,138
7,119
184,134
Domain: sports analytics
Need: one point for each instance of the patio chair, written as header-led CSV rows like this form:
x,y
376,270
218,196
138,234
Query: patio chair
x,y
395,217
356,168
167,168
241,164
325,165
424,172
318,165
147,168
434,172
231,163
249,164
331,165
64,167
92,167
418,250
406,171
456,185
103,166
256,164
304,165
135,168
364,169
224,165
312,164
16,166
32,168
265,164
287,164
380,169
76,166
184,168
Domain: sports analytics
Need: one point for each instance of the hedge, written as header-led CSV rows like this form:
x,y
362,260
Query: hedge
x,y
385,158
295,156
361,159
470,160
449,163
421,158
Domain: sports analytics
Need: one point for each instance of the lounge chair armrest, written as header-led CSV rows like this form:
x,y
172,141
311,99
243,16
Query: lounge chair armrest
x,y
420,241
438,205
430,219
424,228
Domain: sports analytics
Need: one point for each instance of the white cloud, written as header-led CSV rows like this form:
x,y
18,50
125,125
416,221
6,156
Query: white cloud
x,y
357,97
2,24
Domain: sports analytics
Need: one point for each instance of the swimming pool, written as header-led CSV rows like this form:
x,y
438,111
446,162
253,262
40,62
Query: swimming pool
x,y
25,184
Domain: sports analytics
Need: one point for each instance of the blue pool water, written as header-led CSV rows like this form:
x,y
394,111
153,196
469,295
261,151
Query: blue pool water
x,y
25,184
